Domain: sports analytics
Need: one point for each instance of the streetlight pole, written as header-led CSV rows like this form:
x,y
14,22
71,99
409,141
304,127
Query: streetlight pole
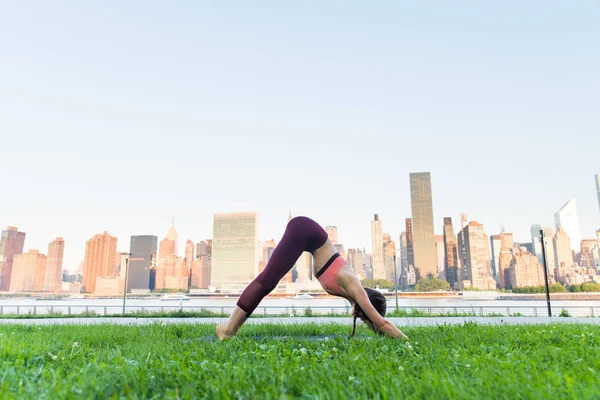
x,y
545,266
125,282
395,281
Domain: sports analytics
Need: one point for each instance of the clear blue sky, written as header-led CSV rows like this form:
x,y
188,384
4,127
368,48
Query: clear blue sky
x,y
114,114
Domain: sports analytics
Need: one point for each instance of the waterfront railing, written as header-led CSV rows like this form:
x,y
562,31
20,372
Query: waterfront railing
x,y
304,310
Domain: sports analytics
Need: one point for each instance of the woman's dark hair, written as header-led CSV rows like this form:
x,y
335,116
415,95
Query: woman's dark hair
x,y
377,300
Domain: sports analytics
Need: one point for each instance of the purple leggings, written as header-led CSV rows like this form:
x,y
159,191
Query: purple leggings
x,y
302,234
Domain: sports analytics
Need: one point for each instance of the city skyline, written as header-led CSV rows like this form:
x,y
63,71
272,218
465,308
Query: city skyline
x,y
200,117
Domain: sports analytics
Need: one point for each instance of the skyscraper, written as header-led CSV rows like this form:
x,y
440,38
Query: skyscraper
x,y
12,243
166,248
403,254
389,249
499,242
410,254
377,243
356,260
172,234
234,248
100,255
332,232
568,219
441,255
202,265
525,270
422,224
598,188
54,263
29,272
143,255
563,255
189,253
451,253
476,257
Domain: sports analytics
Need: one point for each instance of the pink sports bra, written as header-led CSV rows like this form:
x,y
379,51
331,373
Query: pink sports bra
x,y
328,275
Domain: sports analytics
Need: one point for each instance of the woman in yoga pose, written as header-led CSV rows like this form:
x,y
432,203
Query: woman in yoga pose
x,y
336,277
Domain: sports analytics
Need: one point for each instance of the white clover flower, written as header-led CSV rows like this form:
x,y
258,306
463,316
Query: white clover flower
x,y
164,324
75,344
302,369
54,358
467,365
401,368
327,338
334,350
303,350
350,378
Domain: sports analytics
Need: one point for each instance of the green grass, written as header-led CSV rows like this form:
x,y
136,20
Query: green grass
x,y
285,361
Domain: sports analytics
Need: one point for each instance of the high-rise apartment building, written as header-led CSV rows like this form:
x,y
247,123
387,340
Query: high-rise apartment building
x,y
234,248
332,232
410,253
172,273
568,219
189,253
451,253
505,258
11,243
29,272
563,255
525,270
356,259
202,265
403,253
166,248
499,242
441,256
142,260
422,225
377,248
100,256
54,265
476,257
389,250
597,178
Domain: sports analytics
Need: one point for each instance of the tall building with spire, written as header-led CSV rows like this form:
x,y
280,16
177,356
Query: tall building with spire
x,y
568,219
100,256
377,248
11,243
54,264
172,233
451,253
422,222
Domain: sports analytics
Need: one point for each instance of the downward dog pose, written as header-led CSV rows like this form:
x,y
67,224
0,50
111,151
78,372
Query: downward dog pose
x,y
336,277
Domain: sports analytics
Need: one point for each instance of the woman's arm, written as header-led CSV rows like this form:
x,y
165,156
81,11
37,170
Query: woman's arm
x,y
354,289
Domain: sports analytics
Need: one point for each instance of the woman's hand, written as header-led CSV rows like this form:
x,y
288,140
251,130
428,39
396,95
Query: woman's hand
x,y
389,329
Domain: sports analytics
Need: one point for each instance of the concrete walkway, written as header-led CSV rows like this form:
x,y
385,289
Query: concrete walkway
x,y
412,321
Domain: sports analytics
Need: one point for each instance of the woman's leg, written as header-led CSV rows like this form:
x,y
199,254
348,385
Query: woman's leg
x,y
302,234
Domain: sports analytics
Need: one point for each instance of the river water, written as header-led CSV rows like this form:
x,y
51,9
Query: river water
x,y
284,305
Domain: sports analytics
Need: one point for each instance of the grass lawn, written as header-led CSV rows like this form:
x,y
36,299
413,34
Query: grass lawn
x,y
306,361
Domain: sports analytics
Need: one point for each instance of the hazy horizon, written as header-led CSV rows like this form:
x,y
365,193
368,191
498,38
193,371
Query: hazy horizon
x,y
116,115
